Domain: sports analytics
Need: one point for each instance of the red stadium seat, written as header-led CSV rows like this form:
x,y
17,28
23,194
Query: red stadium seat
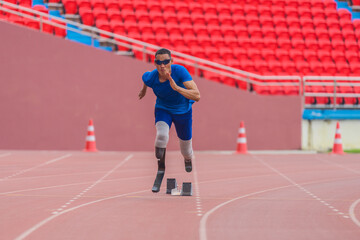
x,y
333,23
316,68
282,54
270,43
293,23
16,19
318,4
289,67
282,32
268,54
291,11
84,4
296,55
70,6
209,8
244,42
252,21
87,16
307,23
195,8
355,67
335,34
114,15
318,13
348,34
320,23
60,32
343,68
351,45
32,23
303,67
212,52
305,12
275,66
324,55
330,4
154,6
284,43
250,10
344,14
112,4
352,56
98,4
338,45
298,43
346,24
310,55
330,68
223,9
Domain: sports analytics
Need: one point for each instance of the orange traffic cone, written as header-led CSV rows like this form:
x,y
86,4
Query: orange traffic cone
x,y
337,149
241,140
90,138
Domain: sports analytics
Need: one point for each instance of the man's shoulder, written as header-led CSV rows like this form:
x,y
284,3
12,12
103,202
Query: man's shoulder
x,y
181,71
178,67
150,74
149,77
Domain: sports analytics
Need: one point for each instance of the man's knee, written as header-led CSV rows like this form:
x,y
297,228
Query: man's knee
x,y
162,134
186,148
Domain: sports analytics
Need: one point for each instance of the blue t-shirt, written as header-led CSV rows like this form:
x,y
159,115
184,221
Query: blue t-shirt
x,y
167,98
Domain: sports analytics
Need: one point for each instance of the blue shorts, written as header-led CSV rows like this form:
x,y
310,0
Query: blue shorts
x,y
182,122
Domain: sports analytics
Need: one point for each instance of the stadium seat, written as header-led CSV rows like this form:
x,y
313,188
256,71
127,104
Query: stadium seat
x,y
87,16
70,6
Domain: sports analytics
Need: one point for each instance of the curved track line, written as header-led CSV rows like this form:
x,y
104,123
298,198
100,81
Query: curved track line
x,y
202,228
352,212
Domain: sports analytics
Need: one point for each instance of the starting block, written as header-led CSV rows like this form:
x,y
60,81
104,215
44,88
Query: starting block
x,y
170,185
186,189
172,188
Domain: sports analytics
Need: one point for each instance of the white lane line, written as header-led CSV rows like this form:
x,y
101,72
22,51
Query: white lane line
x,y
5,155
93,185
297,185
37,166
45,221
202,228
197,191
352,212
338,165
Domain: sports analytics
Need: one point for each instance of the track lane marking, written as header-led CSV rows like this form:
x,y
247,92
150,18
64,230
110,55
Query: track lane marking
x,y
37,166
93,185
352,212
197,191
5,155
203,221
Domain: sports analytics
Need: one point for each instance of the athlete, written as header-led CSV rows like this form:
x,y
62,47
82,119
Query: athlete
x,y
176,92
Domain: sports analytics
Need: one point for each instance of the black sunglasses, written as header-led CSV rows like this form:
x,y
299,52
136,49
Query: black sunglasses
x,y
165,62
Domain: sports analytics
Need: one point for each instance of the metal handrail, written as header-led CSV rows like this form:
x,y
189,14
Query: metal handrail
x,y
319,81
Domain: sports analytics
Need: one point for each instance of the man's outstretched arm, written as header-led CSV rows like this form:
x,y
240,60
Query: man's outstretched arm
x,y
142,92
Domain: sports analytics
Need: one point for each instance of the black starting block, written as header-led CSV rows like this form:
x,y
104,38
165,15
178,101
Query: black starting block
x,y
186,189
170,185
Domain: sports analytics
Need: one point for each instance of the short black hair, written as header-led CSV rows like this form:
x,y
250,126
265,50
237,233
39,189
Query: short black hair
x,y
163,51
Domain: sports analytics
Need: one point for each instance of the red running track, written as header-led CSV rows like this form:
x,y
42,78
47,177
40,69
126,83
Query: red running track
x,y
107,195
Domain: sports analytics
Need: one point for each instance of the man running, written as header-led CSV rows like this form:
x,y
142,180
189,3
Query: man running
x,y
176,92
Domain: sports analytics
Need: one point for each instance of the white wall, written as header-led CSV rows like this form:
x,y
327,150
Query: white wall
x,y
319,134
